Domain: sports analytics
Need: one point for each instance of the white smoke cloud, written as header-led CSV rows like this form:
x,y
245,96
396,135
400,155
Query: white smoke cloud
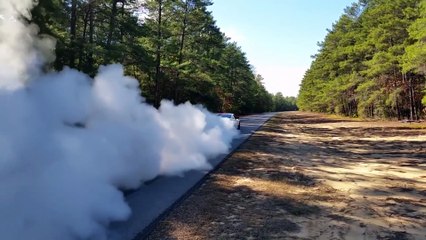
x,y
193,134
70,143
18,58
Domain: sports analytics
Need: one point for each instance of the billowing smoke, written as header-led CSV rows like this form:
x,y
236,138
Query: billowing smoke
x,y
69,143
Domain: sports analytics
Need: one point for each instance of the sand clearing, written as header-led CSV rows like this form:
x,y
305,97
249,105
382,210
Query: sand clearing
x,y
308,176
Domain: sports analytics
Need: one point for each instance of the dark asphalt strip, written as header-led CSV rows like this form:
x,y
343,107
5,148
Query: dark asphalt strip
x,y
147,230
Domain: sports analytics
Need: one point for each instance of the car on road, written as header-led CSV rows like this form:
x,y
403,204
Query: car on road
x,y
233,118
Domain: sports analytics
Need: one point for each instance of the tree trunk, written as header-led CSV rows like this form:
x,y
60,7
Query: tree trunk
x,y
112,23
413,99
398,110
90,66
83,39
122,33
410,95
73,33
181,47
158,55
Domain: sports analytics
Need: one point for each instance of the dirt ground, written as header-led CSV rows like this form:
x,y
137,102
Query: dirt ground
x,y
308,176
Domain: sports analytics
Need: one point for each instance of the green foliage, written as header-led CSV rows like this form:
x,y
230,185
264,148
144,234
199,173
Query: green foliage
x,y
371,63
173,47
282,103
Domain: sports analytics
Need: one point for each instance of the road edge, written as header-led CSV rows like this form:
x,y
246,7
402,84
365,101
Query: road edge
x,y
148,229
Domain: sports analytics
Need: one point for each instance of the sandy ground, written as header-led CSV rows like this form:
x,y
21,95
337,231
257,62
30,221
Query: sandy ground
x,y
308,176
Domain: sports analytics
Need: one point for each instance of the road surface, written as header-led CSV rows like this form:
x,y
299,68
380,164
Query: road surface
x,y
153,199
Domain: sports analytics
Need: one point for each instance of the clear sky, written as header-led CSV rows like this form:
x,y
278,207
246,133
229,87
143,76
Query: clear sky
x,y
278,36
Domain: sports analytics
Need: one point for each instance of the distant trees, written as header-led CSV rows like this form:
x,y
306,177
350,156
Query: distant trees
x,y
282,103
371,63
173,47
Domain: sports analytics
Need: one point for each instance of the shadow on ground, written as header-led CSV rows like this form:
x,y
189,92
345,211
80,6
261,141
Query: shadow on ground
x,y
304,176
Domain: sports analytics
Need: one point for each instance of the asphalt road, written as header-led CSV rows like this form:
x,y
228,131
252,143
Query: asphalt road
x,y
154,198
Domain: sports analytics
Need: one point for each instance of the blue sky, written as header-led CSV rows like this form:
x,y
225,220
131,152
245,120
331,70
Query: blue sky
x,y
278,36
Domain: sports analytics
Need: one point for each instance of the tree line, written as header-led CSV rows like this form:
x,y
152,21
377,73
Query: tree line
x,y
173,48
372,63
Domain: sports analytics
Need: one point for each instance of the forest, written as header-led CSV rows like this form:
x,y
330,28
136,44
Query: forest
x,y
172,47
372,63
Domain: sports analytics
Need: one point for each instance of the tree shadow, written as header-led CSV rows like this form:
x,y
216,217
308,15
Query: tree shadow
x,y
252,213
221,210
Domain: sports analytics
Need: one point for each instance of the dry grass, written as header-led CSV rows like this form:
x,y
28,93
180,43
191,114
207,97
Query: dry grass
x,y
307,176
